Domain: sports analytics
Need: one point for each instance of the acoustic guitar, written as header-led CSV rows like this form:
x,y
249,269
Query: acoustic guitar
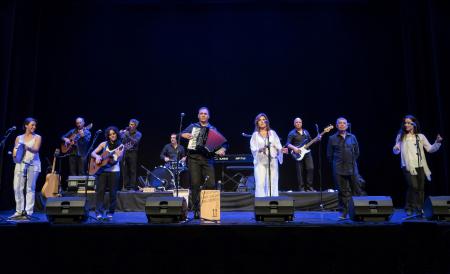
x,y
74,137
51,186
304,149
107,158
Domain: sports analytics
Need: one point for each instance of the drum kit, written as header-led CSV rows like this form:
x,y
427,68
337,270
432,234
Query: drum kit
x,y
163,177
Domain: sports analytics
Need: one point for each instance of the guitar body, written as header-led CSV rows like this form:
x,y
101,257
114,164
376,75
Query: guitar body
x,y
304,149
51,186
299,156
52,181
94,167
73,141
106,159
68,148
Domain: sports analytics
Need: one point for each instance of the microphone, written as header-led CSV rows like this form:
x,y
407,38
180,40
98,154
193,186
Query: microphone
x,y
12,128
182,114
98,131
246,135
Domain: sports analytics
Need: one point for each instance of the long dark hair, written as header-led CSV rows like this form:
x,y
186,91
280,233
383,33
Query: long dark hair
x,y
402,132
112,145
256,121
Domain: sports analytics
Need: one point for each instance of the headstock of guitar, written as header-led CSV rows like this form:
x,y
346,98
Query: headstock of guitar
x,y
328,128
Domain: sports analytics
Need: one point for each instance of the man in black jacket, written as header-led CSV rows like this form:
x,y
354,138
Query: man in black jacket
x,y
342,152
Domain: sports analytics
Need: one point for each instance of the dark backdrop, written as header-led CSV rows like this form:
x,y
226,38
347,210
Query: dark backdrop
x,y
109,61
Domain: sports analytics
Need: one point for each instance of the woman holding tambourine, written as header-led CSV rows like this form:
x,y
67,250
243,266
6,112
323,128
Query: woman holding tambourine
x,y
28,167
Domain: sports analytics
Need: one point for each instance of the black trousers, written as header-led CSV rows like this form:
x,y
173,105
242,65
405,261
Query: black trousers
x,y
415,194
129,169
202,177
110,180
347,186
77,165
305,167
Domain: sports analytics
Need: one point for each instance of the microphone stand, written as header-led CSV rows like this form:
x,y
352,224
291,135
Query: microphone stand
x,y
2,148
177,173
269,156
321,205
89,163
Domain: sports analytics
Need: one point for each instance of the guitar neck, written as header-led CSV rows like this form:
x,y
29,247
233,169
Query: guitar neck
x,y
314,140
54,164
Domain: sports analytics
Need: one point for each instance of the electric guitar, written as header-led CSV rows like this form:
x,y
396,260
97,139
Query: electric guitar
x,y
304,149
51,186
74,137
106,159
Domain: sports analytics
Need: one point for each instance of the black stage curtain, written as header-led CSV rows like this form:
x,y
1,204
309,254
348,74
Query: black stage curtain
x,y
109,61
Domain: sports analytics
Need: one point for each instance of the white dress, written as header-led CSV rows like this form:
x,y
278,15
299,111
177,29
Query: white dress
x,y
261,163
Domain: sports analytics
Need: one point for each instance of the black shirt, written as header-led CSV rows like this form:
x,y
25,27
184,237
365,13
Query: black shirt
x,y
296,139
171,152
342,153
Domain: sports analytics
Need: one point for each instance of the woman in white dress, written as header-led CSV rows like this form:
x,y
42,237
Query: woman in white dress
x,y
27,169
262,139
410,144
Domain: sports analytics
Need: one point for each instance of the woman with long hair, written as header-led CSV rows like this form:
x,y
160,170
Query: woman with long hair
x,y
27,169
264,140
410,144
110,174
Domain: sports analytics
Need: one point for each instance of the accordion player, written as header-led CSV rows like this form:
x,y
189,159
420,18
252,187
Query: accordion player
x,y
205,140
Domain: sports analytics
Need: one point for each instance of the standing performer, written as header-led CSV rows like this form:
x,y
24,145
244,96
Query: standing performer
x,y
79,145
297,138
200,163
130,138
110,174
342,152
171,151
410,144
27,169
262,140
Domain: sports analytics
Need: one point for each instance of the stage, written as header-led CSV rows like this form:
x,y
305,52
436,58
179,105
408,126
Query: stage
x,y
230,201
316,241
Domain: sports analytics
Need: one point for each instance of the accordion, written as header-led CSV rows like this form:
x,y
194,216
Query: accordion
x,y
206,140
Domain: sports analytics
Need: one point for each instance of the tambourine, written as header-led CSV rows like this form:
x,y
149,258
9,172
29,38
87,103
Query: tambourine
x,y
18,153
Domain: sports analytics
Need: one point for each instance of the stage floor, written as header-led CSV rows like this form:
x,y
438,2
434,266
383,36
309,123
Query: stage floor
x,y
315,242
301,218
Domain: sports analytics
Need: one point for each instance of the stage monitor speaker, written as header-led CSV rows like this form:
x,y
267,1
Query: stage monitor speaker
x,y
437,208
371,208
274,209
165,209
66,209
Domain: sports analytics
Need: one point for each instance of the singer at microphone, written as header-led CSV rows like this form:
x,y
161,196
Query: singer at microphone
x,y
296,139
